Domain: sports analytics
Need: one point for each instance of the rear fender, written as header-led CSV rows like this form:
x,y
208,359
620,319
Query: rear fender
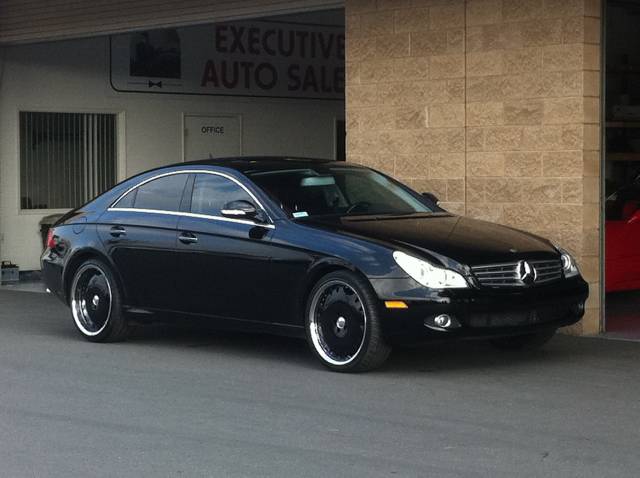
x,y
77,258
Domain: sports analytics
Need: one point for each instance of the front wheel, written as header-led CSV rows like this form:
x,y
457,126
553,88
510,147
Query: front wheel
x,y
96,304
343,323
524,342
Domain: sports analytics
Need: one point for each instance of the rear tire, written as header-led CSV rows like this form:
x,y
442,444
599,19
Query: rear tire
x,y
343,323
524,342
96,303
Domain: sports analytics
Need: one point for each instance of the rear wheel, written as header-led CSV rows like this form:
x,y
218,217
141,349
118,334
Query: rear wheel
x,y
343,323
524,342
96,304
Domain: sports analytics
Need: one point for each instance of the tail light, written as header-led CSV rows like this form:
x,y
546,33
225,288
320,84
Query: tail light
x,y
51,242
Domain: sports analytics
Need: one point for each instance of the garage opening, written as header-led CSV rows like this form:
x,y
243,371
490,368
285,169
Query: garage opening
x,y
82,114
622,169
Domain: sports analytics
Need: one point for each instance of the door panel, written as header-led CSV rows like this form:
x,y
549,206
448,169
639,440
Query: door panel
x,y
224,268
143,248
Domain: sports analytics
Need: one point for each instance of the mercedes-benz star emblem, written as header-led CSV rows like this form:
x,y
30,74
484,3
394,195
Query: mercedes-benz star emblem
x,y
526,273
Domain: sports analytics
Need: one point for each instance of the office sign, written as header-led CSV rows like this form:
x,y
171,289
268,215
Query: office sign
x,y
249,58
212,136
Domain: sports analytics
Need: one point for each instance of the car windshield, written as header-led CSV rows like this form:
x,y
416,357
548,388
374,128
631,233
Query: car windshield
x,y
308,192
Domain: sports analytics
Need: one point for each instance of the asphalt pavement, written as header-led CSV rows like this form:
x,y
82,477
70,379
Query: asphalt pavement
x,y
192,401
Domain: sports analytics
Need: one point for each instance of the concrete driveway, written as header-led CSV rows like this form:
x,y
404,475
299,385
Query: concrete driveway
x,y
187,401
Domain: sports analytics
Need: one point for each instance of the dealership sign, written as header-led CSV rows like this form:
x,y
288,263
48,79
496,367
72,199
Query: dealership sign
x,y
260,58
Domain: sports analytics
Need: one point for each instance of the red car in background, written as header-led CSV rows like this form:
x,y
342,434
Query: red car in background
x,y
622,236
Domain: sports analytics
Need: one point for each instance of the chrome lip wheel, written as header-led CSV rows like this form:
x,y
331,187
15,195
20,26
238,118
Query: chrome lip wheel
x,y
337,322
91,300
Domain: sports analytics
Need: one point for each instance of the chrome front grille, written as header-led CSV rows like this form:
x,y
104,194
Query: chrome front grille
x,y
547,271
518,274
497,275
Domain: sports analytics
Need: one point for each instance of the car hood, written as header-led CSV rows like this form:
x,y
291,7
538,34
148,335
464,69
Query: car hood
x,y
466,241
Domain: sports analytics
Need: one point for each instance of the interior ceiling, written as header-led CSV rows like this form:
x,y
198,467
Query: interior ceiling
x,y
49,20
333,17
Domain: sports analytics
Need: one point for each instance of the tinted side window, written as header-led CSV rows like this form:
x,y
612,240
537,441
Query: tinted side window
x,y
128,200
212,192
162,194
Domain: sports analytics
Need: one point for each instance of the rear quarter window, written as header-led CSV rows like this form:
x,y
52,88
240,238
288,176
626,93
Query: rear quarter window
x,y
161,194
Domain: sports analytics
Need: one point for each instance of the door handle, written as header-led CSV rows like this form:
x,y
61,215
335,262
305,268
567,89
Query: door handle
x,y
187,238
117,231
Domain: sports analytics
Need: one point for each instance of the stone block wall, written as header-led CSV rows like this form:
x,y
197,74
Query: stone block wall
x,y
493,105
406,93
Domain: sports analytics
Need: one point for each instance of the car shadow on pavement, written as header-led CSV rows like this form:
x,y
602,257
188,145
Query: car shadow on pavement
x,y
196,334
49,318
465,355
428,358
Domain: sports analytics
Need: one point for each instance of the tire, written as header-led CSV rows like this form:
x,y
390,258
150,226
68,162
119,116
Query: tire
x,y
524,342
96,303
343,323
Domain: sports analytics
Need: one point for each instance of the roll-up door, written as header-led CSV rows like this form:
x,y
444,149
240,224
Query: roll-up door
x,y
24,21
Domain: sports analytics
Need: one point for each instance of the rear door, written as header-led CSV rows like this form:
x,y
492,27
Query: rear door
x,y
140,234
224,263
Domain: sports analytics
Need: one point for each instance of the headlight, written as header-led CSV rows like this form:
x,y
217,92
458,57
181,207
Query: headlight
x,y
569,265
429,275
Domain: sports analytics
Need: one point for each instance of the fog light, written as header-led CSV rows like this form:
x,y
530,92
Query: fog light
x,y
443,321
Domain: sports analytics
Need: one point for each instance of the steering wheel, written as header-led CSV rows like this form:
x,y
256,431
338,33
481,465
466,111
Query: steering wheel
x,y
358,205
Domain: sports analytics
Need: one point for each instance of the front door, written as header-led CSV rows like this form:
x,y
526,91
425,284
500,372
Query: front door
x,y
208,137
224,263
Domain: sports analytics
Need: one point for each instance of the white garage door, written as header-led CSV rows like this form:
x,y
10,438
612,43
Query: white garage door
x,y
23,21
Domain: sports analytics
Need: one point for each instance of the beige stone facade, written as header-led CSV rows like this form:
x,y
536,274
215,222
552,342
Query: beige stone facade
x,y
493,105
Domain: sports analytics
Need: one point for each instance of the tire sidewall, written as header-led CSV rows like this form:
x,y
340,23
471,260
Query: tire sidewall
x,y
115,321
367,297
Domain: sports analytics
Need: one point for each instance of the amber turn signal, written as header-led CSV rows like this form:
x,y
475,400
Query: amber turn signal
x,y
395,304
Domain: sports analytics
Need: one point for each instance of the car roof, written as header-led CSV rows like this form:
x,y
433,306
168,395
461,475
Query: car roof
x,y
251,164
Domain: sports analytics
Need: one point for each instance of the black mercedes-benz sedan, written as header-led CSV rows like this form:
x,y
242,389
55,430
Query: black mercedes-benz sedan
x,y
340,254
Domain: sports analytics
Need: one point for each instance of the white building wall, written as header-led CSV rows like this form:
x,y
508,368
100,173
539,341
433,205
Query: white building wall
x,y
73,76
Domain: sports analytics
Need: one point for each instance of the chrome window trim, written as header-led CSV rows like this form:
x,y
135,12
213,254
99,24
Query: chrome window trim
x,y
191,214
113,206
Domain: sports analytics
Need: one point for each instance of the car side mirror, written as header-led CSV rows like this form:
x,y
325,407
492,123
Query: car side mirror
x,y
431,197
240,209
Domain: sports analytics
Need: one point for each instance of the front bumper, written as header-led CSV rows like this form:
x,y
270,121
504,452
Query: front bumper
x,y
482,312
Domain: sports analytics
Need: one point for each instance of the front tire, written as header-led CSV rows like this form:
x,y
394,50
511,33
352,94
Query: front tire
x,y
524,342
343,323
96,303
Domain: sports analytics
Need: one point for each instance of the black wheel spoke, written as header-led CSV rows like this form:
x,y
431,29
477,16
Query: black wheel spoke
x,y
338,322
91,300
